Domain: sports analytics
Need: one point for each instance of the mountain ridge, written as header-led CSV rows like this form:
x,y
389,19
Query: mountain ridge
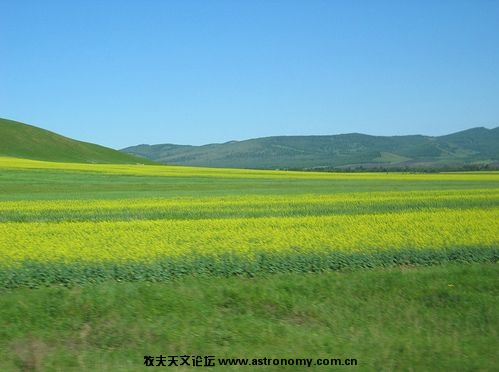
x,y
471,149
476,147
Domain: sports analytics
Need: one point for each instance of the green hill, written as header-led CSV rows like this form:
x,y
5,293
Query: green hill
x,y
475,148
26,141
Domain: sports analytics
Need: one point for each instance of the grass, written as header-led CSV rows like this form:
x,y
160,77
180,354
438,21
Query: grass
x,y
36,180
436,318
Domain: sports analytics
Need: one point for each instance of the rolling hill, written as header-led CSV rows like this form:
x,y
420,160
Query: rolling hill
x,y
26,141
475,148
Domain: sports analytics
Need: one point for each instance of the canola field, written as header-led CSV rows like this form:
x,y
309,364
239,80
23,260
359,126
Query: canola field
x,y
73,223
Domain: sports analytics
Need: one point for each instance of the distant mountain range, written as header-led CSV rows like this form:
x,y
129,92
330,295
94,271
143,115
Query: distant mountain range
x,y
21,140
472,149
476,148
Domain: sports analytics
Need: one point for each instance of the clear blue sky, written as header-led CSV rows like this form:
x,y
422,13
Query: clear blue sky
x,y
121,73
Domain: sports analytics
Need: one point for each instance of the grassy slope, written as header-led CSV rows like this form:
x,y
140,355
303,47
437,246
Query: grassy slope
x,y
435,318
474,145
26,141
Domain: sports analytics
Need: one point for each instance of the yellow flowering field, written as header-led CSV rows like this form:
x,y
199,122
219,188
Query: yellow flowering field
x,y
316,214
149,240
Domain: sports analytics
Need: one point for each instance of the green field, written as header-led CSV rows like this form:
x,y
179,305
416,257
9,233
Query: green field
x,y
424,319
103,264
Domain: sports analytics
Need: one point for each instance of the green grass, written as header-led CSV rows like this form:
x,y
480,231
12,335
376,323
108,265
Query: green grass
x,y
35,184
26,141
436,318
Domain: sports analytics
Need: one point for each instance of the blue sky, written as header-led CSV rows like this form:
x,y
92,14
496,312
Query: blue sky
x,y
122,73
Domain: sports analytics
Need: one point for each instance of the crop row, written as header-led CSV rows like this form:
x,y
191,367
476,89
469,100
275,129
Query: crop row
x,y
139,240
33,274
8,163
245,206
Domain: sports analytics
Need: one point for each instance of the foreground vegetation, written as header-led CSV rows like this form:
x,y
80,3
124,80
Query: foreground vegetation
x,y
400,319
